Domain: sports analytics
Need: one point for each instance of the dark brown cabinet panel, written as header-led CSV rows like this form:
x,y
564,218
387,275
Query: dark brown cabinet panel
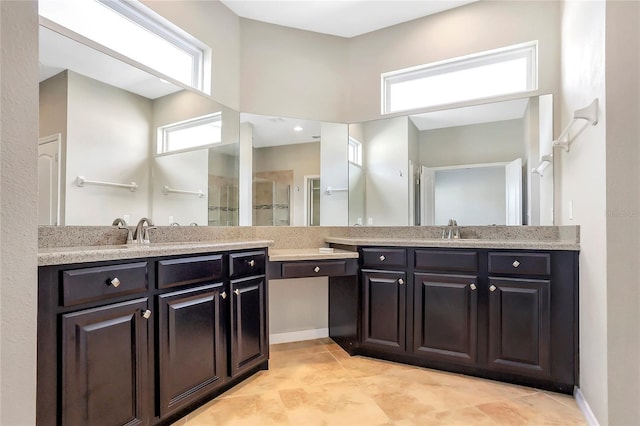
x,y
520,326
446,317
246,264
191,345
190,270
384,310
248,324
104,365
383,258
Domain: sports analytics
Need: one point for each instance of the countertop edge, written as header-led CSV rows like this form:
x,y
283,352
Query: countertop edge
x,y
284,255
76,255
490,244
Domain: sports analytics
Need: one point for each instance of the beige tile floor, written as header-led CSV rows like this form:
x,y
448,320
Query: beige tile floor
x,y
316,383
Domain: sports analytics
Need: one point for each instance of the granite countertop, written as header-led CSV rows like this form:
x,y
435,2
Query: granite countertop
x,y
81,254
459,243
279,255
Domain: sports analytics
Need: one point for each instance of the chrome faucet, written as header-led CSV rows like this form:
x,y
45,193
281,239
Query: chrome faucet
x,y
122,224
141,235
451,231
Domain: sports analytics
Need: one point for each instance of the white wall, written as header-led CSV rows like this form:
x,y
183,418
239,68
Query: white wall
x,y
186,171
357,182
496,142
473,196
298,305
583,183
386,154
108,139
293,73
18,210
545,147
473,28
334,172
622,47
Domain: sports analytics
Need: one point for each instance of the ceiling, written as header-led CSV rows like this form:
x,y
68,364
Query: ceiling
x,y
476,114
276,131
344,18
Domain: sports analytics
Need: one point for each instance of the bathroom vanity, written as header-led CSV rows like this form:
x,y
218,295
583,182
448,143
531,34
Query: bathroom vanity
x,y
143,334
144,339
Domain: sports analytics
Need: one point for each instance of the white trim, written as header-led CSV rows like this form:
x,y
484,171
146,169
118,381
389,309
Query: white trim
x,y
583,405
470,166
306,195
528,50
297,336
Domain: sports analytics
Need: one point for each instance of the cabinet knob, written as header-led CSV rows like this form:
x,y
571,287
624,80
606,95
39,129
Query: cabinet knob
x,y
472,286
316,269
115,282
146,314
382,258
223,294
400,281
236,292
492,288
515,263
251,263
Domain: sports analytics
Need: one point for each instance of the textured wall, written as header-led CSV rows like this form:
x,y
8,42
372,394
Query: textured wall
x,y
18,215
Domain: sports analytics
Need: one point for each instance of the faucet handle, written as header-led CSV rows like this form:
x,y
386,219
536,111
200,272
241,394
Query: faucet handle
x,y
145,234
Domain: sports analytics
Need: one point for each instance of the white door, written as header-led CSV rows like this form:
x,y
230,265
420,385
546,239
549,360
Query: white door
x,y
513,191
428,196
412,193
49,180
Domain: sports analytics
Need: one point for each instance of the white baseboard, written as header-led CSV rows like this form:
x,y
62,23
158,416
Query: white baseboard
x,y
296,336
584,407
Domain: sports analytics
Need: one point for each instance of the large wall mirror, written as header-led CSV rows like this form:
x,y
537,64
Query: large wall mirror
x,y
120,142
471,164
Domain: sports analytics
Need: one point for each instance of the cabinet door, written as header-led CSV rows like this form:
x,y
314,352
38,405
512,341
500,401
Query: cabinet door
x,y
383,322
104,365
446,317
519,326
248,324
191,345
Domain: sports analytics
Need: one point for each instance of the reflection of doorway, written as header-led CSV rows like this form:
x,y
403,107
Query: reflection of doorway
x,y
312,200
49,180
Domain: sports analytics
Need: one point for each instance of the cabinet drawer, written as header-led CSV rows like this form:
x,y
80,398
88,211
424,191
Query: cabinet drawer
x,y
190,270
446,260
384,257
314,268
103,282
520,263
246,264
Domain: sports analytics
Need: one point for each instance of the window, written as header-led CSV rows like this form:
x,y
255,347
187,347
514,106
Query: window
x,y
196,133
355,151
487,74
135,31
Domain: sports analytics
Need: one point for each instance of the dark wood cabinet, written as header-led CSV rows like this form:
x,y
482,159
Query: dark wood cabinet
x,y
104,360
445,317
520,326
142,342
384,310
249,342
503,314
191,345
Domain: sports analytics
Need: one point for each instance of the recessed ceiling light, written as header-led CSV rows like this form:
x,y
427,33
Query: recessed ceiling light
x,y
298,129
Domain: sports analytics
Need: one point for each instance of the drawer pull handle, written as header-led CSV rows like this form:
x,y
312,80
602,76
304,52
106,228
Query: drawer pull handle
x,y
382,258
115,282
146,314
236,292
251,263
223,294
400,281
492,288
316,269
515,263
472,286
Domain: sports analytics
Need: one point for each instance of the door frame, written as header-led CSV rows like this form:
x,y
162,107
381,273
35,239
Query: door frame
x,y
306,194
56,138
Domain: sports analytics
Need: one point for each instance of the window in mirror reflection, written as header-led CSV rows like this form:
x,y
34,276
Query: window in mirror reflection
x,y
488,74
135,31
355,151
202,131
